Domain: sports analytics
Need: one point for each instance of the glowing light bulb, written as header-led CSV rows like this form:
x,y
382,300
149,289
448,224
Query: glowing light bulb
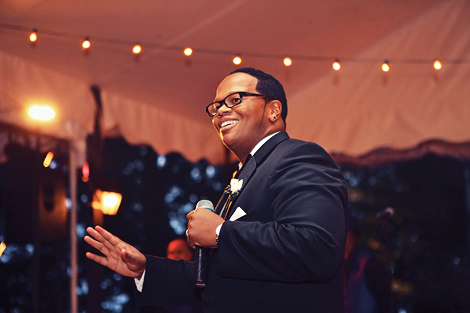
x,y
336,65
41,112
437,65
33,37
287,61
48,159
188,51
137,49
86,44
385,66
237,60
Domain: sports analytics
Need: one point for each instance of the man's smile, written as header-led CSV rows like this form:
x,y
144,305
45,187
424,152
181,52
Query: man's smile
x,y
225,125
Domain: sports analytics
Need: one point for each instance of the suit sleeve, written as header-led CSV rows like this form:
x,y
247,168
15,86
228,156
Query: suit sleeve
x,y
168,282
305,239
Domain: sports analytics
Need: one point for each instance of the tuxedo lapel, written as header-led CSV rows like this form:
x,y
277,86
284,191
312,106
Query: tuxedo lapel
x,y
221,204
253,162
249,168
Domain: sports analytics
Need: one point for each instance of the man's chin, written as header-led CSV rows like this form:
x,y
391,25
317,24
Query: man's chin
x,y
227,141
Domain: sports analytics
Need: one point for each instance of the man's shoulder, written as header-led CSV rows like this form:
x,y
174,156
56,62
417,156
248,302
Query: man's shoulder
x,y
301,145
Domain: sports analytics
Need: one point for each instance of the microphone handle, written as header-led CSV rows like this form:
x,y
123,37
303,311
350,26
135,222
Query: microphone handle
x,y
202,254
201,266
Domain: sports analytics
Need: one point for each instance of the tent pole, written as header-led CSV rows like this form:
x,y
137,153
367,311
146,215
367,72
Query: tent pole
x,y
73,229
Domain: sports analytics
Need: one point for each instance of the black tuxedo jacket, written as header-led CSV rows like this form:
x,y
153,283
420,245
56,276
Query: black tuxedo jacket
x,y
285,254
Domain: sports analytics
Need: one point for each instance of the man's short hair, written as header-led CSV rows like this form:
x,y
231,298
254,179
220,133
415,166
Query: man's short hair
x,y
267,85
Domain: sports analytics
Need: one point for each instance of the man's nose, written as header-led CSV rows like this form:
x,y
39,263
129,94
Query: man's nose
x,y
223,108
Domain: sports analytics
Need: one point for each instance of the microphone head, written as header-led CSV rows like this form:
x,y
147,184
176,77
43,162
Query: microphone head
x,y
205,204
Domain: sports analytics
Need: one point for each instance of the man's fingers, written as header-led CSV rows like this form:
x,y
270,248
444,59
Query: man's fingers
x,y
98,259
105,237
188,216
97,245
108,236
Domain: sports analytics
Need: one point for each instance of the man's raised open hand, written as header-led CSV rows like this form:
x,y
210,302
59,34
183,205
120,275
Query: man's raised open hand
x,y
118,255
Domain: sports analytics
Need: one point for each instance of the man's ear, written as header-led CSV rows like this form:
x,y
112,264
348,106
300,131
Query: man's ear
x,y
275,110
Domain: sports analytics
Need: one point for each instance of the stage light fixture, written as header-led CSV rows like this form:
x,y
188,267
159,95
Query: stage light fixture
x,y
336,65
437,65
385,66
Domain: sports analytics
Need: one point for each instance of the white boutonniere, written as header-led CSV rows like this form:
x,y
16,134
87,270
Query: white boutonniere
x,y
235,186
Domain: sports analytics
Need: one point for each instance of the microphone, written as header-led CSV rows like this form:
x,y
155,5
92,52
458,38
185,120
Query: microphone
x,y
201,260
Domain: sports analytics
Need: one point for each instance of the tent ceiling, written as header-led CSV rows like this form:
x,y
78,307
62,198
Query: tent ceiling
x,y
159,99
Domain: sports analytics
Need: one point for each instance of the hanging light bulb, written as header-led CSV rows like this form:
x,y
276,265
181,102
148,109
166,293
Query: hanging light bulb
x,y
287,61
385,66
336,65
188,51
86,43
137,49
33,37
437,65
237,60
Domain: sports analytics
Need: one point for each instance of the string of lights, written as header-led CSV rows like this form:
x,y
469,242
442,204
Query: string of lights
x,y
138,47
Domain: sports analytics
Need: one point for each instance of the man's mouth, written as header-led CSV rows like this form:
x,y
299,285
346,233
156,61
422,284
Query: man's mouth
x,y
228,124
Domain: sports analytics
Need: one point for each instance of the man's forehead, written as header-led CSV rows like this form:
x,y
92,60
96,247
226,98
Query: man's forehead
x,y
236,82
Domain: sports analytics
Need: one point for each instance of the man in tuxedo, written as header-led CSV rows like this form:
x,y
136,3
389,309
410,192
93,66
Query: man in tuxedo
x,y
278,241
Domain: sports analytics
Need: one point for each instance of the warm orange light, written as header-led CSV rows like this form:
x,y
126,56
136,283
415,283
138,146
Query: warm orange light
x,y
33,36
86,44
107,202
137,49
336,65
188,51
48,159
3,246
385,66
287,61
41,112
437,65
237,60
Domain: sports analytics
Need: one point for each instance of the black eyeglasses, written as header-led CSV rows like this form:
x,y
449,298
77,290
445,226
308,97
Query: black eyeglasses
x,y
233,99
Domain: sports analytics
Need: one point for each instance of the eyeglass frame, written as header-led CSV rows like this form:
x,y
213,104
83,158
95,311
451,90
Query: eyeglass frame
x,y
241,93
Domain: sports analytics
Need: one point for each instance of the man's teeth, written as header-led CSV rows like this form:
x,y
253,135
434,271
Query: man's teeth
x,y
228,123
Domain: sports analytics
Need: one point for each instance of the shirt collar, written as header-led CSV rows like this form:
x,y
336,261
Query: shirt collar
x,y
259,145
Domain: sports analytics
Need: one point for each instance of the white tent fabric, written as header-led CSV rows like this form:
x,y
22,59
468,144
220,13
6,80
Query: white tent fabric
x,y
361,108
164,131
159,99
